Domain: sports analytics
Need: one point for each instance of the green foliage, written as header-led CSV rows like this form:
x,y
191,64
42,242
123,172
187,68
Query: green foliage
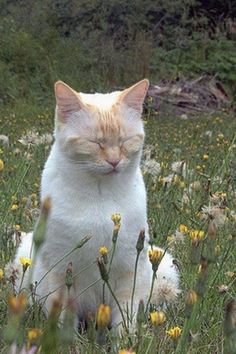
x,y
98,45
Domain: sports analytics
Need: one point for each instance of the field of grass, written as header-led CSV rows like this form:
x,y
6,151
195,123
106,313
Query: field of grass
x,y
190,172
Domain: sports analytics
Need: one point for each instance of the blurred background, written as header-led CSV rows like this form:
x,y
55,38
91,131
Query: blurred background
x,y
98,45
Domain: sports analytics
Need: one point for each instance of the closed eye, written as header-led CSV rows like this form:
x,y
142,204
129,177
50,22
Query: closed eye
x,y
97,142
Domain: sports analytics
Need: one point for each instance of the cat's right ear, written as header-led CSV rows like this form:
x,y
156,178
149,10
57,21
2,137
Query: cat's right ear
x,y
68,101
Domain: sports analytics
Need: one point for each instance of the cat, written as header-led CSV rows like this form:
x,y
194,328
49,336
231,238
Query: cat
x,y
92,172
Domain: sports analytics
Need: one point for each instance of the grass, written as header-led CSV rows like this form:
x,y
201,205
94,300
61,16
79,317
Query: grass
x,y
206,177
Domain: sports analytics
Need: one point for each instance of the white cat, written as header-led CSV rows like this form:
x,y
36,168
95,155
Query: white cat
x,y
93,171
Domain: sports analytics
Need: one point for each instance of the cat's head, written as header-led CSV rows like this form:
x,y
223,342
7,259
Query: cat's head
x,y
103,133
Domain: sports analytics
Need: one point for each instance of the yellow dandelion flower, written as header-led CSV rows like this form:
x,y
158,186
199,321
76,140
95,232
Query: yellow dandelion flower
x,y
14,207
33,334
126,351
157,318
183,228
25,262
17,304
103,250
116,218
103,316
198,168
16,227
155,255
1,273
191,297
196,235
174,332
1,165
205,157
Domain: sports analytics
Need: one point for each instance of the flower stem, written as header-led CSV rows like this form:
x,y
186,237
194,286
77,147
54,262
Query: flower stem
x,y
151,291
118,304
134,284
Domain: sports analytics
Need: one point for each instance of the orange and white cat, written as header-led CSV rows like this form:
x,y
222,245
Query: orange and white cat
x,y
93,171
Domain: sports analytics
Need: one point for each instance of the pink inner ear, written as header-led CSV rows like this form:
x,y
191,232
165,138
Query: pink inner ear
x,y
135,95
68,101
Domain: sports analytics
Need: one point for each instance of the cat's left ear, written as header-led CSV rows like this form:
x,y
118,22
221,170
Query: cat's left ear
x,y
135,95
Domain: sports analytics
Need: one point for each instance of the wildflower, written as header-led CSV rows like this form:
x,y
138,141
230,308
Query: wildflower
x,y
116,218
4,140
16,227
155,256
214,212
191,297
26,262
179,167
205,157
157,318
14,207
126,351
151,166
196,236
18,303
174,332
103,250
103,316
1,165
140,242
183,228
69,276
33,334
1,273
166,292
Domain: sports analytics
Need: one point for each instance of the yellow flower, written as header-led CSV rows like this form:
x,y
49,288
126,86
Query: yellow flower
x,y
155,255
183,228
14,207
205,157
103,316
26,262
16,227
1,165
33,334
18,303
191,297
174,332
103,250
196,235
1,273
126,351
157,318
116,218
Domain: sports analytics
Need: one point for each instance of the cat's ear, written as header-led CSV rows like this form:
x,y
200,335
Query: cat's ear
x,y
68,101
135,95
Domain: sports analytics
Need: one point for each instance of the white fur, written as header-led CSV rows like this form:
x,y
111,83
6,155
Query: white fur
x,y
82,204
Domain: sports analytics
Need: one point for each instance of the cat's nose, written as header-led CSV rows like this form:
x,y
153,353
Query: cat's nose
x,y
114,163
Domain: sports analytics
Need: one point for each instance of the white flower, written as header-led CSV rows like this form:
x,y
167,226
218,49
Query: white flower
x,y
165,292
5,140
179,167
33,138
151,166
208,133
216,213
